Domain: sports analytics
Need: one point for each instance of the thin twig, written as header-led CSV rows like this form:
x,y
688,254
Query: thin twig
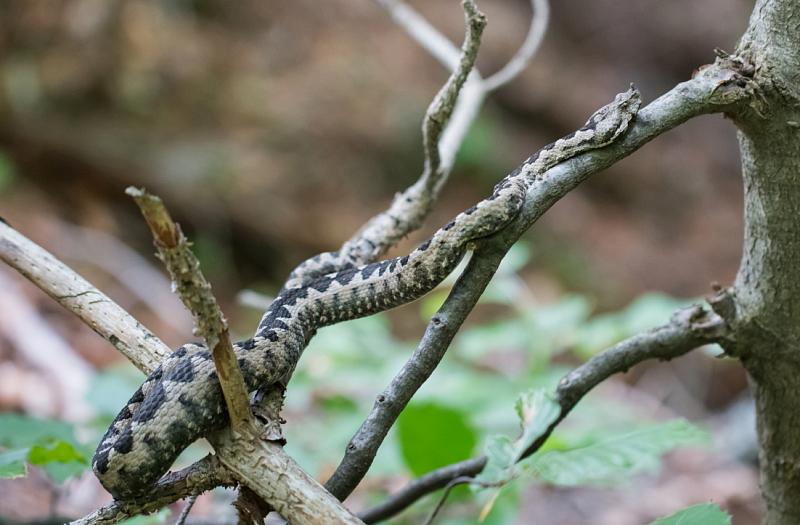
x,y
195,292
523,56
447,489
688,329
439,333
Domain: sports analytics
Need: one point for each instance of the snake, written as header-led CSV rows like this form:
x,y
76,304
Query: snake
x,y
181,401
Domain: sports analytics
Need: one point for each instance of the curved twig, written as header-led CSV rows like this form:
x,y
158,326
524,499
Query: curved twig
x,y
523,56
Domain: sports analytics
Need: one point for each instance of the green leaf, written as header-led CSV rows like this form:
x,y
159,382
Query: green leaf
x,y
60,472
703,514
12,463
536,410
614,457
432,435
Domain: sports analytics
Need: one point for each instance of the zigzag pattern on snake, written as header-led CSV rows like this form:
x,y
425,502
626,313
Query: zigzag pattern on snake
x,y
182,401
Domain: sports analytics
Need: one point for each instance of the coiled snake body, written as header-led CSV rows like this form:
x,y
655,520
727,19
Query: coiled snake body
x,y
181,401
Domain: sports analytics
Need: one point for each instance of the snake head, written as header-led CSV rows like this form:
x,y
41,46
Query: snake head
x,y
613,119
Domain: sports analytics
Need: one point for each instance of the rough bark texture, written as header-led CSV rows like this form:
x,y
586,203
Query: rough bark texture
x,y
767,289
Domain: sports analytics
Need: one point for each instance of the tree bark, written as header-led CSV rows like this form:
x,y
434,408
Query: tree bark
x,y
767,288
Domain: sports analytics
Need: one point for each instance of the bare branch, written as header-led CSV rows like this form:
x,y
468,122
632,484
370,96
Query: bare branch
x,y
687,330
187,508
195,292
77,295
523,56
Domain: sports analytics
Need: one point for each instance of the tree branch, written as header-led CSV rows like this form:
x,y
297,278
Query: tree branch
x,y
703,94
687,329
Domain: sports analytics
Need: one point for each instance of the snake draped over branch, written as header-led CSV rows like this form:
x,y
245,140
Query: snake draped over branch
x,y
181,401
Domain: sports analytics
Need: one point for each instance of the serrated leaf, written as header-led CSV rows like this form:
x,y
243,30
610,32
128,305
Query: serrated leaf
x,y
703,514
536,410
613,457
12,463
432,435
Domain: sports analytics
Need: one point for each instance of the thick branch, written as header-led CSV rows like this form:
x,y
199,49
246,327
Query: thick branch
x,y
766,309
688,329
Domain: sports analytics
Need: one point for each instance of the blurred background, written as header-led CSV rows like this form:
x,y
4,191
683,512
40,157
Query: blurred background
x,y
273,130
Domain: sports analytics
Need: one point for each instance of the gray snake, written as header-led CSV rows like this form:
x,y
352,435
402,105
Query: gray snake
x,y
181,400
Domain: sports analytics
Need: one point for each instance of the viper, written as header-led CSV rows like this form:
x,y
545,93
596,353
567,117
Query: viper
x,y
181,401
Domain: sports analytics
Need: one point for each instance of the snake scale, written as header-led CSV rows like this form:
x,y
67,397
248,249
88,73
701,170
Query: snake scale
x,y
182,401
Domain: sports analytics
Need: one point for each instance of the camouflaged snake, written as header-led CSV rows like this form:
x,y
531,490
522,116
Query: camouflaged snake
x,y
181,401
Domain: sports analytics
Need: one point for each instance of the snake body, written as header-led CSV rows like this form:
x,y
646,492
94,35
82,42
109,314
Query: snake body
x,y
182,401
